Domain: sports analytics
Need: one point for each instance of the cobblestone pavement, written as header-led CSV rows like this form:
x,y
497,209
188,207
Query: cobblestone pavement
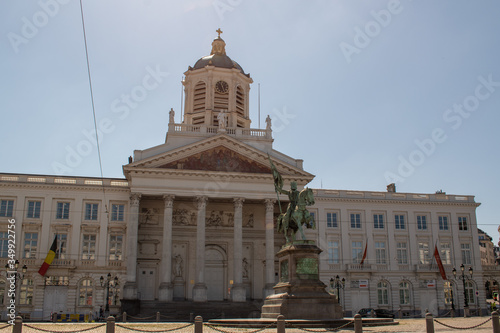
x,y
404,326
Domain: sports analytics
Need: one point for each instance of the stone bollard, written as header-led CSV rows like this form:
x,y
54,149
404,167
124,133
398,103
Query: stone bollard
x,y
158,316
400,314
198,324
54,317
358,323
18,325
429,323
124,316
191,317
496,324
466,312
110,324
280,324
452,313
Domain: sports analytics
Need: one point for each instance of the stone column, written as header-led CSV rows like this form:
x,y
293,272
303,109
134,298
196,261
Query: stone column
x,y
200,288
166,287
238,291
270,282
130,287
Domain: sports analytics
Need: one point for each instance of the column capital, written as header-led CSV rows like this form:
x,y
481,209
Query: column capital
x,y
270,204
135,198
201,202
168,199
238,203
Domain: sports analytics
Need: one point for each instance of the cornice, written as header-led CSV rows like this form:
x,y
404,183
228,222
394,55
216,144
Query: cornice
x,y
74,187
399,201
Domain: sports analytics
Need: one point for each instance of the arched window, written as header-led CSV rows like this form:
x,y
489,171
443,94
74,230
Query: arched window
x,y
26,292
470,292
448,293
383,293
199,96
85,292
404,293
240,101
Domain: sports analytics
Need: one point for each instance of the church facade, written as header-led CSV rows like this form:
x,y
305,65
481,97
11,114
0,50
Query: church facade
x,y
195,219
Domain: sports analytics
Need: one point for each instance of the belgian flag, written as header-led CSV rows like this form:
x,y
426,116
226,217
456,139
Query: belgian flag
x,y
49,258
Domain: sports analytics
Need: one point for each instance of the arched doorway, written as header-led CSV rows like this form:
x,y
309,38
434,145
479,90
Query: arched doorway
x,y
215,277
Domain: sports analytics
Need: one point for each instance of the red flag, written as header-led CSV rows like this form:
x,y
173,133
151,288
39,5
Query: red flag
x,y
439,262
49,258
364,254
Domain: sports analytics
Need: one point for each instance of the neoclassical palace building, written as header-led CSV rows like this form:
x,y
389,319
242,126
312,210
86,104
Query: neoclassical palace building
x,y
194,220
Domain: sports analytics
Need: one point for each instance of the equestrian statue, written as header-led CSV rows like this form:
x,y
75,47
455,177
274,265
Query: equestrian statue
x,y
296,214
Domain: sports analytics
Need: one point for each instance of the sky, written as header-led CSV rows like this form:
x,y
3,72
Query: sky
x,y
365,92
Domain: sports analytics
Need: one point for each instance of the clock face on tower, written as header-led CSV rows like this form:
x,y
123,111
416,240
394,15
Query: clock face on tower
x,y
221,87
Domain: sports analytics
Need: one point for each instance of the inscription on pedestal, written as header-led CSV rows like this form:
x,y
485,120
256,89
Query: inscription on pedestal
x,y
307,268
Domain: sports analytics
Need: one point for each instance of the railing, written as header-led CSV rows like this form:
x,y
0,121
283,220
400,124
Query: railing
x,y
212,130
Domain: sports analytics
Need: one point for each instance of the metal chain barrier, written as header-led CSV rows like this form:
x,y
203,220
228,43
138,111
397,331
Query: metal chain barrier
x,y
167,330
462,328
1,328
52,331
139,318
215,328
446,314
319,331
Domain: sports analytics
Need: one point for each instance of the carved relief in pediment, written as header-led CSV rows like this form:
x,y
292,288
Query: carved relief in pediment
x,y
219,159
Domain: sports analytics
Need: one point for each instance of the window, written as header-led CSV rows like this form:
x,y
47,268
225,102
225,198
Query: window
x,y
462,223
466,254
445,253
380,252
356,221
443,222
400,222
4,244
331,220
333,252
34,209
6,208
85,292
117,212
91,211
402,253
2,291
421,222
357,252
423,253
30,245
26,292
62,212
115,247
448,293
404,293
61,246
383,293
88,247
469,292
378,221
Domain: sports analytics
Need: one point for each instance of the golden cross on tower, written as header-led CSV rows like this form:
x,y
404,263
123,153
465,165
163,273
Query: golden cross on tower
x,y
218,31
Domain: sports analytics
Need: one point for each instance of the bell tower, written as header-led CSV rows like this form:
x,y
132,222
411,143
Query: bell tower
x,y
217,89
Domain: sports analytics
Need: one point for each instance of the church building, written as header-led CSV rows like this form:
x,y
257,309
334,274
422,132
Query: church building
x,y
194,219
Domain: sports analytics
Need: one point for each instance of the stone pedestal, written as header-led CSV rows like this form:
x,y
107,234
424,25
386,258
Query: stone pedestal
x,y
179,294
299,293
238,293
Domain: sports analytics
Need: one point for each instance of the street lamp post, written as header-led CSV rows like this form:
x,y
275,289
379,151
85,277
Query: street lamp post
x,y
14,274
110,283
337,284
463,277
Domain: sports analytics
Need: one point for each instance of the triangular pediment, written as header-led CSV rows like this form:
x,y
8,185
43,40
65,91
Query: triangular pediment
x,y
220,154
219,158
